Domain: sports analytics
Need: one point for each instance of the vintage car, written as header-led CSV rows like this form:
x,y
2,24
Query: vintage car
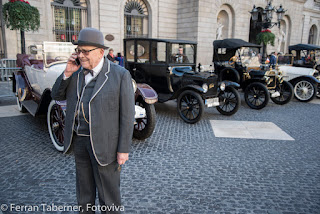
x,y
305,80
238,61
169,66
305,55
35,80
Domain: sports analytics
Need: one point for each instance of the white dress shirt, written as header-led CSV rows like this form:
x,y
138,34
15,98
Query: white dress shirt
x,y
96,70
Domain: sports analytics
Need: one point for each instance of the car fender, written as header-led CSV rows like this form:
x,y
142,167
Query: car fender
x,y
230,84
44,102
311,78
249,81
147,93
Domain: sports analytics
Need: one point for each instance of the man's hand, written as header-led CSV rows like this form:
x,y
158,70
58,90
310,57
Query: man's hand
x,y
71,65
122,157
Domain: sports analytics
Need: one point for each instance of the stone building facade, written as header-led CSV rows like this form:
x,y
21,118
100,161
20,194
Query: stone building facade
x,y
202,21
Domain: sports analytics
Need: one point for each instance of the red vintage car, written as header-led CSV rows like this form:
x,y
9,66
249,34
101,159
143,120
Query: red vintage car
x,y
39,71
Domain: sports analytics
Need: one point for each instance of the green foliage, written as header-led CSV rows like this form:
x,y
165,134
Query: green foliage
x,y
266,38
20,15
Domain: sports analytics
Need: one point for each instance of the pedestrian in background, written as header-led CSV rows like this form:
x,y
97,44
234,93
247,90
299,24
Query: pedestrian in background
x,y
110,55
99,120
119,58
273,59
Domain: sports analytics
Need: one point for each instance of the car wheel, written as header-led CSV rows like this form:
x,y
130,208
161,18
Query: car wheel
x,y
256,95
230,100
190,106
143,127
286,93
56,122
304,90
21,94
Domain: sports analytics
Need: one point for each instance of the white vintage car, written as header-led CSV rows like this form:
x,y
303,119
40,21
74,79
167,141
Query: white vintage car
x,y
305,81
39,72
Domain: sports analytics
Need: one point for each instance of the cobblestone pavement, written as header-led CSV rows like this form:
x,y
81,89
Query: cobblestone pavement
x,y
181,168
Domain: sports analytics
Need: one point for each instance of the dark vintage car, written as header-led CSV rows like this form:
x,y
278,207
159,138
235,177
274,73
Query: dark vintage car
x,y
238,61
306,55
169,67
33,89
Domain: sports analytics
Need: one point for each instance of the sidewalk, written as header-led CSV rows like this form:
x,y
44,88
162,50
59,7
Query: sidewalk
x,y
6,89
7,97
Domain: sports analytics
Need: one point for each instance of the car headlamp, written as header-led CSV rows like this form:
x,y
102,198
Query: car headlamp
x,y
222,86
134,84
205,88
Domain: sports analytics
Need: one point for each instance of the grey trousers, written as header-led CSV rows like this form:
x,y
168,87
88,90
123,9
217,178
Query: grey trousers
x,y
91,176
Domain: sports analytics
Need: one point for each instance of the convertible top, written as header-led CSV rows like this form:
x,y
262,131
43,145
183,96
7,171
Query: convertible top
x,y
233,44
300,47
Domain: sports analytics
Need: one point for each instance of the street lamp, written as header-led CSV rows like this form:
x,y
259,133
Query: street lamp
x,y
267,14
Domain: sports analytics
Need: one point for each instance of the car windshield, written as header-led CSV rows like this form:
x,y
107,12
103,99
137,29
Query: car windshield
x,y
182,53
57,51
285,59
306,57
250,57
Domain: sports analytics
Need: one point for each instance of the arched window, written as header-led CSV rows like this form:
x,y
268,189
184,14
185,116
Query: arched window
x,y
69,16
312,35
222,31
136,19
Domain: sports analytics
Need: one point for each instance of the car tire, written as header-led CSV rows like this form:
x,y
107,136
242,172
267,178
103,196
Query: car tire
x,y
21,108
286,93
190,106
304,90
144,127
231,101
256,95
56,122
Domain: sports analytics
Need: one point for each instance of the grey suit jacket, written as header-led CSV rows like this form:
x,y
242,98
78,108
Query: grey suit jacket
x,y
111,110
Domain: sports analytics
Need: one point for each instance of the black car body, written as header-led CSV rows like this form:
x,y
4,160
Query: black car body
x,y
257,80
173,75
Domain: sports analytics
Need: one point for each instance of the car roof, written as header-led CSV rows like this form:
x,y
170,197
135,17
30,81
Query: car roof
x,y
164,40
299,47
233,44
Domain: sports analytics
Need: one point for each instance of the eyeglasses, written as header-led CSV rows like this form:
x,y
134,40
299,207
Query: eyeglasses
x,y
85,52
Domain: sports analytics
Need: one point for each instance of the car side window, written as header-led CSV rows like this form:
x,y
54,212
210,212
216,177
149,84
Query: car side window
x,y
158,52
143,52
130,51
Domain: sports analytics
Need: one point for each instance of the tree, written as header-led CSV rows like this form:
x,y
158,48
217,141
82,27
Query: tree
x,y
20,15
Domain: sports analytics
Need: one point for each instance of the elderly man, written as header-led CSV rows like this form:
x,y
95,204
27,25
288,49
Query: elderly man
x,y
99,120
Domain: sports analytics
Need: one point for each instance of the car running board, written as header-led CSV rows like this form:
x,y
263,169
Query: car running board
x,y
162,97
31,106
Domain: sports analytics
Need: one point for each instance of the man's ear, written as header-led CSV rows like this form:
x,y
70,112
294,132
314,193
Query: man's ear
x,y
102,51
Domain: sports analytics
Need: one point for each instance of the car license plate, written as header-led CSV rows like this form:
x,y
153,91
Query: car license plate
x,y
212,102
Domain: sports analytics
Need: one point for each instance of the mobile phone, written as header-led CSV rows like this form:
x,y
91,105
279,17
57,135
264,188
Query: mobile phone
x,y
77,61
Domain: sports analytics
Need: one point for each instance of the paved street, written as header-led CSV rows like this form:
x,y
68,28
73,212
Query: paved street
x,y
181,168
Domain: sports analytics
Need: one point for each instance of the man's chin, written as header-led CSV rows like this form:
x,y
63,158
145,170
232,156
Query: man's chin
x,y
85,65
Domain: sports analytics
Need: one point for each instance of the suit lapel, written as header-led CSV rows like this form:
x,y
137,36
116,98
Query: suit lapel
x,y
80,83
101,78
